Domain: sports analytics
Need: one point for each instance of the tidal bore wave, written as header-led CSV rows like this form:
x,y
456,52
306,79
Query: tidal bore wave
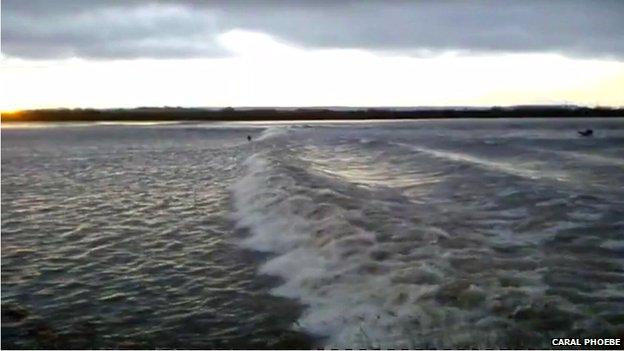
x,y
430,248
422,234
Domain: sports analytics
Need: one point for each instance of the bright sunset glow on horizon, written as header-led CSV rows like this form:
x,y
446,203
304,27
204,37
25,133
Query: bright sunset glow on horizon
x,y
254,68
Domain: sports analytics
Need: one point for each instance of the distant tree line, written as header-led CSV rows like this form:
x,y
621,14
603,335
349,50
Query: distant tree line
x,y
269,114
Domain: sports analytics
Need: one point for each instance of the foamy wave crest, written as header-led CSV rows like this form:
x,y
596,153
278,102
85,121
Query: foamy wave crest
x,y
273,132
306,236
371,277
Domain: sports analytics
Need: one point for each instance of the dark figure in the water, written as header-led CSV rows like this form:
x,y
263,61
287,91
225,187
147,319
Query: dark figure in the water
x,y
249,138
586,132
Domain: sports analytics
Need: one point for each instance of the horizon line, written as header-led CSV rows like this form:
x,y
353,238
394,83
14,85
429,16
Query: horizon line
x,y
355,107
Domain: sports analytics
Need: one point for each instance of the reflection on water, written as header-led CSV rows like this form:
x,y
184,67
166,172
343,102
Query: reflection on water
x,y
425,234
129,244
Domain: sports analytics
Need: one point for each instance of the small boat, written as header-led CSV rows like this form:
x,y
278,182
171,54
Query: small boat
x,y
586,132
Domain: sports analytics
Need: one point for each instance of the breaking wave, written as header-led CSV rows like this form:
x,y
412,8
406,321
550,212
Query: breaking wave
x,y
377,269
273,132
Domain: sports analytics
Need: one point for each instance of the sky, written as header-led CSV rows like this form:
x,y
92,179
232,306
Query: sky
x,y
108,54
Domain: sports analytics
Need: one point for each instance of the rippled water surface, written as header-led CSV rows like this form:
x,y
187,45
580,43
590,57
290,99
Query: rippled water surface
x,y
446,233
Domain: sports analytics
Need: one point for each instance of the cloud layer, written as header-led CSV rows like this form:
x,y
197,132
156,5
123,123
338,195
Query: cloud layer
x,y
99,29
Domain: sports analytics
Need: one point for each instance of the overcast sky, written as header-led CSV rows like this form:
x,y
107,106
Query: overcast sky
x,y
311,46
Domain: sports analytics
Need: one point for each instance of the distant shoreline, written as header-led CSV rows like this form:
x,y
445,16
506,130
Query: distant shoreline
x,y
302,114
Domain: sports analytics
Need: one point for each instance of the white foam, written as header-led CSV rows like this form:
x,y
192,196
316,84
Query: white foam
x,y
371,276
328,263
274,132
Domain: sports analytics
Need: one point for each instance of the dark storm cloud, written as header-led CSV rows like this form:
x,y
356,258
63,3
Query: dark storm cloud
x,y
175,29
